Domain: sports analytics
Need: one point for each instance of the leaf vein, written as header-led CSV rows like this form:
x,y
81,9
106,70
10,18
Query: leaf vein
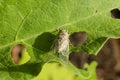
x,y
21,24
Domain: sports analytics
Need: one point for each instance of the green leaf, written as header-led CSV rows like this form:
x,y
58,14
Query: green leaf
x,y
35,23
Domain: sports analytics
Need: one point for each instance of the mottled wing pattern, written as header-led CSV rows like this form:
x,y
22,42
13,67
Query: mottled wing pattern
x,y
61,45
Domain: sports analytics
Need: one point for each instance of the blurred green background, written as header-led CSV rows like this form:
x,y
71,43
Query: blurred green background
x,y
55,71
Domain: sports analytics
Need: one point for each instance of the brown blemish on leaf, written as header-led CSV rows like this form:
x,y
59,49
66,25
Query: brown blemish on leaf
x,y
78,38
17,52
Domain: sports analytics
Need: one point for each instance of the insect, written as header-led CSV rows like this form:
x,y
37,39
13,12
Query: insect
x,y
62,42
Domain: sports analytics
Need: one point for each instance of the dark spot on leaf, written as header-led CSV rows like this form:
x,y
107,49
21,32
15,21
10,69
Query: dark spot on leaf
x,y
78,38
17,52
115,13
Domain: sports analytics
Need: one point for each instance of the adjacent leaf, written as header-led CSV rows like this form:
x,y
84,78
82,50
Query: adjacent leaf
x,y
56,71
34,23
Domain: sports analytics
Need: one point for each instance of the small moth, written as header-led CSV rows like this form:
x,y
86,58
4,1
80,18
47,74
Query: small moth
x,y
62,42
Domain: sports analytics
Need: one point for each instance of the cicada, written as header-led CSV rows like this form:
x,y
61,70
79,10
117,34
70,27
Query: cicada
x,y
62,42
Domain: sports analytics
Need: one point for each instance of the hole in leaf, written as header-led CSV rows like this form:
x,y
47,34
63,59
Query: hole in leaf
x,y
118,74
78,59
78,38
115,13
16,52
